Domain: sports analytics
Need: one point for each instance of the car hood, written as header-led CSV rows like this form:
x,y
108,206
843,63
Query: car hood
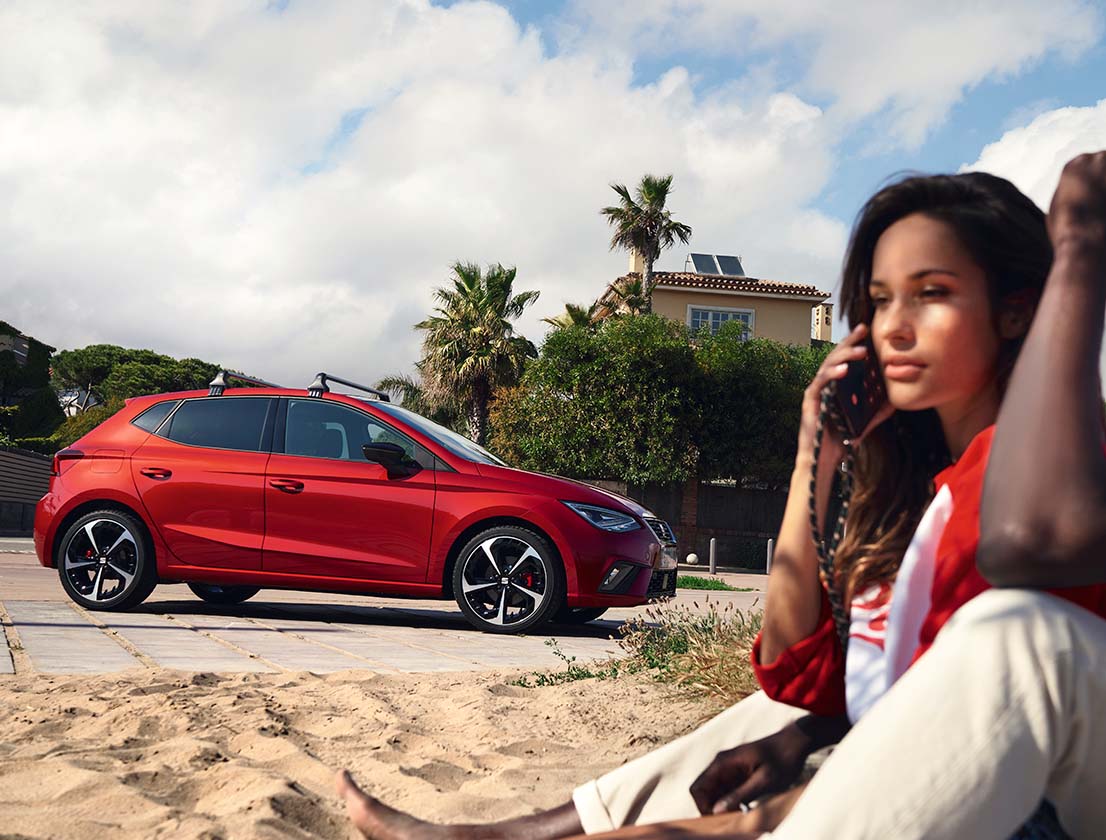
x,y
565,489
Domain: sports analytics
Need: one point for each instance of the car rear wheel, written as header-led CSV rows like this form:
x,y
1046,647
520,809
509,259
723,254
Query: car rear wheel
x,y
508,579
214,594
578,615
106,562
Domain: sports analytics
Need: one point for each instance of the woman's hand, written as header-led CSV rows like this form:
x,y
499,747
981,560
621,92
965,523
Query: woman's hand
x,y
852,348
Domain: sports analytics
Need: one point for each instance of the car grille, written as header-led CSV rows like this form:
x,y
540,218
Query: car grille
x,y
662,584
662,529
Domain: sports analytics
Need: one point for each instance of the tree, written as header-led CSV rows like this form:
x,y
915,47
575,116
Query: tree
x,y
576,315
470,348
626,296
105,372
751,416
414,397
641,223
621,402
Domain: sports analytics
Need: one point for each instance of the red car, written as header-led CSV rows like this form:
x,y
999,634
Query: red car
x,y
234,490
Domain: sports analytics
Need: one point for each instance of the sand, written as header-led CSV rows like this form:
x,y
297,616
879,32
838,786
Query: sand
x,y
168,754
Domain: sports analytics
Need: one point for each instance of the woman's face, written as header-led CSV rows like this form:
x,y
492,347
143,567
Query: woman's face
x,y
932,325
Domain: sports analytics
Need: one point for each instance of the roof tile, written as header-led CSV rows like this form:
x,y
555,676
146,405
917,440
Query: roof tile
x,y
728,282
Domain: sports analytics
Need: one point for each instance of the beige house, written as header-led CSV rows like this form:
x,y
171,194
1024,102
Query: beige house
x,y
790,313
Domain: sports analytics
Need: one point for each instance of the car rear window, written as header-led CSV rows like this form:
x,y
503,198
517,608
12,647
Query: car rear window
x,y
151,418
220,423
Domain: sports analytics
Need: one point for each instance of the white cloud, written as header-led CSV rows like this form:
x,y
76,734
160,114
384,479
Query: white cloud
x,y
909,62
177,179
1033,155
178,176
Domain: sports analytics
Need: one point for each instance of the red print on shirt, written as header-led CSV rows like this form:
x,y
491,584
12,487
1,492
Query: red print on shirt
x,y
870,610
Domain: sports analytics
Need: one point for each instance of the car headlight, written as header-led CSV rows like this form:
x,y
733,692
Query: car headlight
x,y
605,518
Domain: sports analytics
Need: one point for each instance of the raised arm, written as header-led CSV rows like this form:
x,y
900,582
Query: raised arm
x,y
1043,517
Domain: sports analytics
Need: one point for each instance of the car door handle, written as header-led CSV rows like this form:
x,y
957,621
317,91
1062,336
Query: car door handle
x,y
159,473
287,485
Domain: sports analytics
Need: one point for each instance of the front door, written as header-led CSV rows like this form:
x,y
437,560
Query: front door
x,y
201,477
330,512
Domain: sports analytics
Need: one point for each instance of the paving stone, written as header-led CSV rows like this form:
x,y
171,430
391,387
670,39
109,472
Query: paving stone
x,y
172,645
59,641
6,665
384,647
279,648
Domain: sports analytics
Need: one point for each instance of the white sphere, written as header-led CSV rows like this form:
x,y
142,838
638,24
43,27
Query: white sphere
x,y
693,559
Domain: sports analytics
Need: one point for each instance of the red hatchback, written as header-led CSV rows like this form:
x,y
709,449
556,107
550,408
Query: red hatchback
x,y
234,490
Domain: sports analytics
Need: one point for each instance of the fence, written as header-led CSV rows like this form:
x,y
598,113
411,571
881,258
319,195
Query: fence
x,y
740,519
24,478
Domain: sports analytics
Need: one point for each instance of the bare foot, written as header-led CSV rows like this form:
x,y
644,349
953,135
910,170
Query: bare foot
x,y
377,821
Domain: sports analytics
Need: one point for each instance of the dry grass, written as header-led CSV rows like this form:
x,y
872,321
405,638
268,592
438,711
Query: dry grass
x,y
706,651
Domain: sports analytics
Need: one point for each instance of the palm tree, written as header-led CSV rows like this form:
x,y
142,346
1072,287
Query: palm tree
x,y
641,223
470,347
413,396
625,296
575,315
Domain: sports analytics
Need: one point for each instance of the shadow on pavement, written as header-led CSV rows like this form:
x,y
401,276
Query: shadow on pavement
x,y
398,616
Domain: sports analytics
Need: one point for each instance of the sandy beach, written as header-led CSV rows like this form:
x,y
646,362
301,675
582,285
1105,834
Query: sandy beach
x,y
169,754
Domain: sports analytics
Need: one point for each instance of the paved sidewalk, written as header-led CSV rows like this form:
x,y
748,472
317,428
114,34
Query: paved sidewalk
x,y
280,631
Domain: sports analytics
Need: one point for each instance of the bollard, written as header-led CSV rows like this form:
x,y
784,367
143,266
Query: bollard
x,y
712,541
768,559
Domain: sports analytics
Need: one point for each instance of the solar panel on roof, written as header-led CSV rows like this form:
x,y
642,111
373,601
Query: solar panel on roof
x,y
730,265
704,263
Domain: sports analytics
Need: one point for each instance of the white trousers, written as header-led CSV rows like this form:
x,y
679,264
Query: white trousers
x,y
654,787
1008,707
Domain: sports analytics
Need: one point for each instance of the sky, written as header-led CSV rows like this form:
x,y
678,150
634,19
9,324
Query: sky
x,y
280,185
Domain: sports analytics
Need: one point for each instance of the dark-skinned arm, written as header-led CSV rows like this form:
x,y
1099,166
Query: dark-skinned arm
x,y
1043,515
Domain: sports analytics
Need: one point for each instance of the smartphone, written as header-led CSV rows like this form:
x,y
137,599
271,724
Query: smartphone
x,y
860,394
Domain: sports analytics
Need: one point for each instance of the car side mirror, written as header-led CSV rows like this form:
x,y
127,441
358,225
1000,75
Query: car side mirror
x,y
392,457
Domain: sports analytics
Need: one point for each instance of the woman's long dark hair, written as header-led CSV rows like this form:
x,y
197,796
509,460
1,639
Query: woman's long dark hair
x,y
895,464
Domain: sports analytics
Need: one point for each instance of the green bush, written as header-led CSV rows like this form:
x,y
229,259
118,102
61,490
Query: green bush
x,y
621,402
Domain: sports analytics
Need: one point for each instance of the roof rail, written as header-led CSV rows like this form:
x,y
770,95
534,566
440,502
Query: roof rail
x,y
219,383
319,387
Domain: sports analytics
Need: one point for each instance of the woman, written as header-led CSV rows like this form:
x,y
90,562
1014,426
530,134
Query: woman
x,y
940,282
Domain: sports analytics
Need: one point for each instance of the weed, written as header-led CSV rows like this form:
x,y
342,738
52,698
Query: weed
x,y
571,673
707,651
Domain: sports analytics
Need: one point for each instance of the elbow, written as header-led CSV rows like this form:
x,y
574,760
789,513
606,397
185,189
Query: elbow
x,y
1040,557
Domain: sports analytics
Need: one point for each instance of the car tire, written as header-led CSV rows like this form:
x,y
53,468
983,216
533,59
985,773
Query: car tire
x,y
106,562
578,615
223,595
508,579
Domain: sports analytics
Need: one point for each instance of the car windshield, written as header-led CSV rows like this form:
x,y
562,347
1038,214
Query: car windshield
x,y
460,446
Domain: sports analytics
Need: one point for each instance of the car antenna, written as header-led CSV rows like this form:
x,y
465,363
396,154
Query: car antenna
x,y
217,385
320,387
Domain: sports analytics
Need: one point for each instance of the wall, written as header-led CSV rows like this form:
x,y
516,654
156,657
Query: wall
x,y
740,520
786,321
24,479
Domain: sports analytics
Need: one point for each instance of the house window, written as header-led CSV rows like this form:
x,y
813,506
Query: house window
x,y
700,317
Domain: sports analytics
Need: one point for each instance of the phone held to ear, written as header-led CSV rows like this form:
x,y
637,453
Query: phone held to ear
x,y
858,396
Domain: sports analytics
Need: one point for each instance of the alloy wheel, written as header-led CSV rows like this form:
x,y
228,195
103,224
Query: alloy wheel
x,y
101,560
505,581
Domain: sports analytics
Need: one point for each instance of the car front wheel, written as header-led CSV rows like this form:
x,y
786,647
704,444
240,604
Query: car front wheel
x,y
508,579
105,561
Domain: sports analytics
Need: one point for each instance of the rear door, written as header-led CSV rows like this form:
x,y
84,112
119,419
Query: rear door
x,y
330,512
201,477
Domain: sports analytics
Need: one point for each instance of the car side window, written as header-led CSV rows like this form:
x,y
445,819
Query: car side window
x,y
324,429
151,418
220,423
